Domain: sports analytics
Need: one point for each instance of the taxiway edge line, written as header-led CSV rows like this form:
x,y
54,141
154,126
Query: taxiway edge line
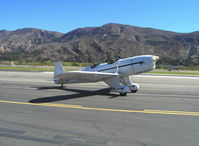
x,y
144,111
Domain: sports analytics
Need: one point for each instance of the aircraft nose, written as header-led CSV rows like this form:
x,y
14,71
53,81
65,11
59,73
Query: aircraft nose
x,y
155,58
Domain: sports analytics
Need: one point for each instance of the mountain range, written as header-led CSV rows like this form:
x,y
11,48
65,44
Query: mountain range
x,y
94,44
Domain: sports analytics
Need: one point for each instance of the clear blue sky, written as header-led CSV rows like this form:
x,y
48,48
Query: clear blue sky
x,y
66,15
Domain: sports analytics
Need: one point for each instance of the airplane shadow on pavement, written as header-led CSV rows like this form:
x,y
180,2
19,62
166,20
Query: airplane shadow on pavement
x,y
78,94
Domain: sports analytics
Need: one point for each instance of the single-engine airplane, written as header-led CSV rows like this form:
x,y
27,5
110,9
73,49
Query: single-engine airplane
x,y
115,74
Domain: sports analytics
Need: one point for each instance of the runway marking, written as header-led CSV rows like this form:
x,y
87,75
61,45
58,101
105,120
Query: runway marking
x,y
158,76
167,76
145,111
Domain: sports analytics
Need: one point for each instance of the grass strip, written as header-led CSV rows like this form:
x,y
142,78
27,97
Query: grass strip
x,y
29,68
175,73
25,68
51,69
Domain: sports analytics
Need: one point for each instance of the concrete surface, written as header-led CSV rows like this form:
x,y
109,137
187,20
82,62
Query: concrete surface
x,y
34,111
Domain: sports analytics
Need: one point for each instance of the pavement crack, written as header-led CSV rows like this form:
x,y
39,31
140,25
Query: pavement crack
x,y
189,102
5,130
30,138
105,131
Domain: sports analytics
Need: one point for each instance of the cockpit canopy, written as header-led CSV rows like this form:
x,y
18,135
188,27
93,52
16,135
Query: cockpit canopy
x,y
108,61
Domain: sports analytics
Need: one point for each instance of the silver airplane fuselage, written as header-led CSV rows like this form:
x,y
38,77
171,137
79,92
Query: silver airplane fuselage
x,y
116,74
127,66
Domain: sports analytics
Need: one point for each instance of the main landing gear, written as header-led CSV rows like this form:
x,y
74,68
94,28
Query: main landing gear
x,y
134,91
123,94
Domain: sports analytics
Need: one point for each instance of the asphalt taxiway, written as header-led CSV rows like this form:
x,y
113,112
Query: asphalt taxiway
x,y
34,111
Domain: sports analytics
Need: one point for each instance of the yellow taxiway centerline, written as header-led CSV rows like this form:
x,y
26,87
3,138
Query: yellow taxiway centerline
x,y
145,111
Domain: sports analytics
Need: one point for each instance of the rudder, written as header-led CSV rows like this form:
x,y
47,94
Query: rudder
x,y
59,69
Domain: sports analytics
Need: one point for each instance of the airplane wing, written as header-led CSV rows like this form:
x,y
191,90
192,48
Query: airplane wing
x,y
85,76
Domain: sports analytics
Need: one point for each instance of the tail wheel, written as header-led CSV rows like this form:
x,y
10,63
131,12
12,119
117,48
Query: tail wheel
x,y
62,86
123,94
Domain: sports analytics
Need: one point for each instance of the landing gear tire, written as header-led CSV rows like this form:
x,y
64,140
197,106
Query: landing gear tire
x,y
123,94
134,91
61,86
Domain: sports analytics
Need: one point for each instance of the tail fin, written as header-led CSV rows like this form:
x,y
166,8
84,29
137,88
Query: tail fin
x,y
59,69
